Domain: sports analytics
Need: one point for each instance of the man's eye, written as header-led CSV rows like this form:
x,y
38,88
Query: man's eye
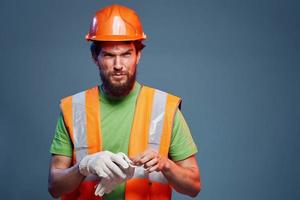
x,y
127,54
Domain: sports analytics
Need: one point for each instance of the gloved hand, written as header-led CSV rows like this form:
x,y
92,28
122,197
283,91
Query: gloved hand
x,y
104,164
107,184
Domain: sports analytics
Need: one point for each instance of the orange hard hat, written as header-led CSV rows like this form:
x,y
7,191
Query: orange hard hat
x,y
116,23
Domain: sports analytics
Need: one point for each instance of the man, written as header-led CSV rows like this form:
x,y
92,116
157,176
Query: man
x,y
121,140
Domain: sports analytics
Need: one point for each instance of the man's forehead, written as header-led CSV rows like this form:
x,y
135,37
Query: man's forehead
x,y
116,45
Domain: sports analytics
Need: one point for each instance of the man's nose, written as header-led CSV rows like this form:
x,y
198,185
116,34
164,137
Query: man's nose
x,y
118,64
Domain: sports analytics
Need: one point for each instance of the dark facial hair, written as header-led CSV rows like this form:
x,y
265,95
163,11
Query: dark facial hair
x,y
118,90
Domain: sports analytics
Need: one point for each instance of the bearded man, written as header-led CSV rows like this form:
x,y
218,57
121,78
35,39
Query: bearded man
x,y
121,139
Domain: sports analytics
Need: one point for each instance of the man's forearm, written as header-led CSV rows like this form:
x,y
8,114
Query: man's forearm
x,y
183,179
62,181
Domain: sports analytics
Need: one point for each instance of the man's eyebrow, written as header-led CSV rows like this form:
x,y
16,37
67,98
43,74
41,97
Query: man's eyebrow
x,y
109,53
128,51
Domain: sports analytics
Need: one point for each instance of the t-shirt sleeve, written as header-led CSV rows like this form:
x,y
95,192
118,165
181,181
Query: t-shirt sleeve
x,y
182,144
61,144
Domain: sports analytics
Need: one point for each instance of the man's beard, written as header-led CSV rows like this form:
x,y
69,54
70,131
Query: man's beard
x,y
120,89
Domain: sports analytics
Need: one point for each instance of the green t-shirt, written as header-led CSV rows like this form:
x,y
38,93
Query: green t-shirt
x,y
116,120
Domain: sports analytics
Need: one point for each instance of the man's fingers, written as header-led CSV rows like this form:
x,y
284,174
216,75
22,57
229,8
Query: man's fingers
x,y
144,157
150,156
119,160
99,190
115,169
151,163
152,169
124,156
104,171
136,160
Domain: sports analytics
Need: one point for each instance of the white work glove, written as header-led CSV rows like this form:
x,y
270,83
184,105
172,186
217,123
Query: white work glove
x,y
105,164
107,184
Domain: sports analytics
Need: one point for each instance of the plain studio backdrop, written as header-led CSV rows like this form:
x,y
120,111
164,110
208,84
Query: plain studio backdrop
x,y
235,63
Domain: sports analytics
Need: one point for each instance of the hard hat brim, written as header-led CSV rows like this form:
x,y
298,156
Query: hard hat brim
x,y
114,38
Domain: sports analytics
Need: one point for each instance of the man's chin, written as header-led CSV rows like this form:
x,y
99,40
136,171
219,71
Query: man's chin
x,y
120,84
118,88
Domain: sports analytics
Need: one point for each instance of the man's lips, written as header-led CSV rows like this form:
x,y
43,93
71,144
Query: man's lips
x,y
118,76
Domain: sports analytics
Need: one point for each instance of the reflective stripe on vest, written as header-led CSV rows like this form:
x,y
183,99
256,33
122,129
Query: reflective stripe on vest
x,y
155,131
82,120
152,128
160,106
79,125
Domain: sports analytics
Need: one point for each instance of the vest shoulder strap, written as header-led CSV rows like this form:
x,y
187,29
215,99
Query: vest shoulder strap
x,y
153,121
82,119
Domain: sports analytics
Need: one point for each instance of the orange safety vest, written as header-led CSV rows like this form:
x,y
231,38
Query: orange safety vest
x,y
151,129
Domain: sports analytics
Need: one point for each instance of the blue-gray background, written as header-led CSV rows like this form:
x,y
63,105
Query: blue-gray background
x,y
235,64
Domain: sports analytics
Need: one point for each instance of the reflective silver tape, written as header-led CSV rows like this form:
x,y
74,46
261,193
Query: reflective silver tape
x,y
157,177
79,125
155,133
157,119
139,172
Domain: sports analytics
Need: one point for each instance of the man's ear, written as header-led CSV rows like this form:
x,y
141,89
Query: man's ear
x,y
95,59
138,56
